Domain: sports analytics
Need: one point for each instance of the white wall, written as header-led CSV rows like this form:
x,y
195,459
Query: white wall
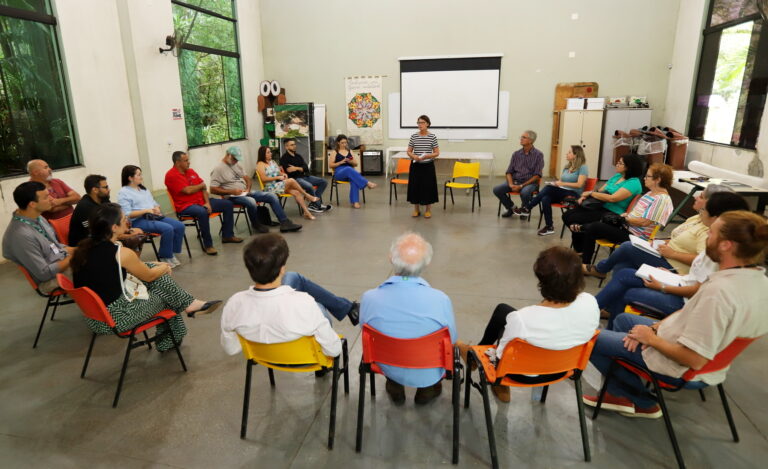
x,y
311,46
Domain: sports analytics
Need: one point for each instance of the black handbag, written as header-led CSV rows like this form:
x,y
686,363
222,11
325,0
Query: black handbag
x,y
591,203
613,219
263,216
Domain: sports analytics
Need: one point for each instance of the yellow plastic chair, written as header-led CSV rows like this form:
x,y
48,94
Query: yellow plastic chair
x,y
612,247
335,186
464,170
299,356
283,196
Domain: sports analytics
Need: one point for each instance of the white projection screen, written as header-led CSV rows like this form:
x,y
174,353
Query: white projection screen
x,y
455,92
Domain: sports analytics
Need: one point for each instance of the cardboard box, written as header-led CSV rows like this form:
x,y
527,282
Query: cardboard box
x,y
595,103
575,103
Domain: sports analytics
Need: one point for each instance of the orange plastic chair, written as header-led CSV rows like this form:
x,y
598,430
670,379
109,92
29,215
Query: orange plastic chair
x,y
298,356
61,227
53,299
589,185
510,194
93,307
192,221
521,358
403,167
430,351
721,361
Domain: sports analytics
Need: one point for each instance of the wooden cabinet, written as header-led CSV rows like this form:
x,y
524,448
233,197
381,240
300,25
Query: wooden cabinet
x,y
583,128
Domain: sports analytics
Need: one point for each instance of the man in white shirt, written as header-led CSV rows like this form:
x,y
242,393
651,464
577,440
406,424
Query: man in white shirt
x,y
273,312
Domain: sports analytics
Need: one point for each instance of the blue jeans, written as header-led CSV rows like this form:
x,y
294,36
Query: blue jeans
x,y
337,306
627,256
355,179
171,233
308,183
249,202
199,212
624,383
526,194
625,287
546,197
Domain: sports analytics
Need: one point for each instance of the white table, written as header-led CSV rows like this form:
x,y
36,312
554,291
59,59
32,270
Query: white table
x,y
399,152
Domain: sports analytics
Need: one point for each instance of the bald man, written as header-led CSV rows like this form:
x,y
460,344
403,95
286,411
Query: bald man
x,y
406,307
63,197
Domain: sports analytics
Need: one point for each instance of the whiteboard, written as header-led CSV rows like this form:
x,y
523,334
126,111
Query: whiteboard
x,y
319,122
500,133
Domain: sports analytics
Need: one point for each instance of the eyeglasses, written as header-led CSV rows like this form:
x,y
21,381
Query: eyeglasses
x,y
421,122
103,187
619,163
525,137
648,176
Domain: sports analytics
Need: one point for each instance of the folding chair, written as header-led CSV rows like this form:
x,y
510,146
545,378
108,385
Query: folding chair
x,y
588,186
93,307
464,170
430,351
721,361
335,185
520,359
192,221
53,299
61,227
298,356
403,167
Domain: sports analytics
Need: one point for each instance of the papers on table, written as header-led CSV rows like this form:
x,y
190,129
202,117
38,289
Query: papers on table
x,y
649,247
664,276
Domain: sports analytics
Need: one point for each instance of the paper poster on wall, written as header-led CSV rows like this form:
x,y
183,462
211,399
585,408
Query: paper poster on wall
x,y
364,109
176,114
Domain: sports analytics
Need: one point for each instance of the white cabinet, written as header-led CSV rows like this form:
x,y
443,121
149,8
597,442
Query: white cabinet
x,y
624,119
583,128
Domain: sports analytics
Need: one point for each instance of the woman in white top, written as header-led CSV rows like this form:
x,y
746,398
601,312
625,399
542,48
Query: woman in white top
x,y
565,318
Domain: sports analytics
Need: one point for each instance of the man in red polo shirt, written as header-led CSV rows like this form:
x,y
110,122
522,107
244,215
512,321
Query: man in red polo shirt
x,y
190,198
63,197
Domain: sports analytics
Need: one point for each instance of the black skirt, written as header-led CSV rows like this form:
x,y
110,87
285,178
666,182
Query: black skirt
x,y
422,184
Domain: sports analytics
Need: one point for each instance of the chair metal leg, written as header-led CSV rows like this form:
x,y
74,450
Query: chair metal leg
x,y
360,411
56,301
582,420
363,191
456,376
88,355
728,414
271,377
445,194
334,397
176,345
246,398
544,392
199,235
373,383
450,189
701,394
146,339
345,357
668,423
154,248
488,419
603,389
473,200
186,242
391,186
468,379
42,322
125,367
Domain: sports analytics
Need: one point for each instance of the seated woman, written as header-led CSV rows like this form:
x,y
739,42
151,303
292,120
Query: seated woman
x,y
571,183
687,240
613,197
101,264
144,212
565,318
276,181
652,209
625,287
343,165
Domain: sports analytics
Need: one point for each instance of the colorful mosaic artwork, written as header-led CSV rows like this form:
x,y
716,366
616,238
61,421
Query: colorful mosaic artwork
x,y
364,110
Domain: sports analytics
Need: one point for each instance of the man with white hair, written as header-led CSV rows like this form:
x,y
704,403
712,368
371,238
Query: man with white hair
x,y
523,175
406,307
63,197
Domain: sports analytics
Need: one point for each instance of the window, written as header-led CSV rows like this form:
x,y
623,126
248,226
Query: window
x,y
209,67
34,108
731,87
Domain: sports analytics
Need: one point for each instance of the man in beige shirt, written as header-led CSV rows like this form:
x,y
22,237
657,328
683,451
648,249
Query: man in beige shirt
x,y
730,304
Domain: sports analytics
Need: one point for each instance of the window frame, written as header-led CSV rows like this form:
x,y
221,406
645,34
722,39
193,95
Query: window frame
x,y
226,53
756,17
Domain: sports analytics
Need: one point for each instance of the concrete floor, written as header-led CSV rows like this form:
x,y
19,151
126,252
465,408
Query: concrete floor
x,y
49,417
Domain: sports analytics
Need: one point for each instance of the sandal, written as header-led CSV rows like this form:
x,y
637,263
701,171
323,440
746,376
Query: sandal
x,y
309,216
427,214
208,307
415,213
591,270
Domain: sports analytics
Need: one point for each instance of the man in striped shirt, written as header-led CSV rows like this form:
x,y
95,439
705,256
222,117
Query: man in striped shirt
x,y
523,176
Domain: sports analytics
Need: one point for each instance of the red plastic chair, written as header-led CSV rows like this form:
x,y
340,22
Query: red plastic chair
x,y
53,299
521,358
93,307
589,185
722,360
430,351
61,227
192,221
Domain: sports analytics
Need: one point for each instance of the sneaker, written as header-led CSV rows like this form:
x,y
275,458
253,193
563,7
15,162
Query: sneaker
x,y
508,213
611,402
354,313
315,207
501,392
259,228
287,225
326,208
653,412
523,213
176,261
168,261
426,395
396,392
547,230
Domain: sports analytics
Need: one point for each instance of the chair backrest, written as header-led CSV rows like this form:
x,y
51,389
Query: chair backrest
x,y
654,232
403,166
590,184
722,359
28,276
632,203
170,199
258,177
61,227
434,350
522,358
466,170
302,351
89,302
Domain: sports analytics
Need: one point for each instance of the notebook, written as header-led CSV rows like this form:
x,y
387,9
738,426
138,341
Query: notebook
x,y
668,278
648,246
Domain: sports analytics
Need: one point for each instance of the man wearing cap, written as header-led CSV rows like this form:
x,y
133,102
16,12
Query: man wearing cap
x,y
228,180
295,167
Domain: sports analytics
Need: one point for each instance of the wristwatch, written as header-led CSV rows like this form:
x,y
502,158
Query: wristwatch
x,y
663,288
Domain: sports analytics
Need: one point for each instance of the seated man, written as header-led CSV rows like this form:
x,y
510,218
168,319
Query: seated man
x,y
406,307
96,193
190,198
31,242
296,168
63,197
228,179
729,304
277,308
523,176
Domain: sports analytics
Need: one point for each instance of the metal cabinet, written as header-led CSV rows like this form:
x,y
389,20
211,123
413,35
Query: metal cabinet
x,y
583,128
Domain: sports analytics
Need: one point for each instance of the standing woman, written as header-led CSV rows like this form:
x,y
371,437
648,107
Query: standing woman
x,y
343,165
422,182
276,181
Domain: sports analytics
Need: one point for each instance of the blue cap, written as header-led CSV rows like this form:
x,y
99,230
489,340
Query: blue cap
x,y
235,151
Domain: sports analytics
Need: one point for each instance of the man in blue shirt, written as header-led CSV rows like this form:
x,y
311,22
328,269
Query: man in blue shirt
x,y
406,307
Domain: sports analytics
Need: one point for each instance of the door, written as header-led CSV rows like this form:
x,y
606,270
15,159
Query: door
x,y
570,134
591,134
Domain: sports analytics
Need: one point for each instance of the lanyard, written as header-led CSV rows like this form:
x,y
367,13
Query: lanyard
x,y
37,226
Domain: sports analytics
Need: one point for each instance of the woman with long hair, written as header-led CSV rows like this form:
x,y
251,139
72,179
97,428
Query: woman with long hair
x,y
101,263
342,163
276,181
